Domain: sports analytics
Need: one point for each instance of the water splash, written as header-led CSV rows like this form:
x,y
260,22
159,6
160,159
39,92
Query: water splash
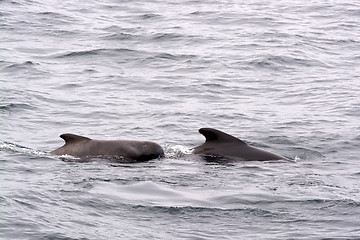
x,y
16,148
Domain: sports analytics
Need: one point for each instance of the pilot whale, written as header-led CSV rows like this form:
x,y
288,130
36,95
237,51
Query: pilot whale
x,y
82,147
220,144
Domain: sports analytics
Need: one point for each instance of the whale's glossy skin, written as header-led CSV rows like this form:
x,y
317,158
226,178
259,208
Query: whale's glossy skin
x,y
79,146
224,145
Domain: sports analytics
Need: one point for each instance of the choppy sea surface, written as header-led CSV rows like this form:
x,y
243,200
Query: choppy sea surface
x,y
281,75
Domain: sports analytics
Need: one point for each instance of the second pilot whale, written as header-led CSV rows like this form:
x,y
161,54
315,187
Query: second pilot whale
x,y
221,144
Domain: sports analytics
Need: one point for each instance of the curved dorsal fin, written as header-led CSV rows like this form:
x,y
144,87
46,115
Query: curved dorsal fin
x,y
213,135
72,138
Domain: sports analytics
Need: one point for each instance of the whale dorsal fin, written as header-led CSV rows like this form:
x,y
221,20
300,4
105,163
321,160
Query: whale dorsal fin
x,y
213,135
72,138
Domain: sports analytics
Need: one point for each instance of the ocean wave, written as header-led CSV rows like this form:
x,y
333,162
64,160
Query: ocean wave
x,y
119,36
176,210
22,65
152,196
285,62
95,52
16,107
167,36
150,16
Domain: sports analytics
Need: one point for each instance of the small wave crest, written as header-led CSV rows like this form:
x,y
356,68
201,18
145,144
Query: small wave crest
x,y
93,52
22,65
280,62
15,106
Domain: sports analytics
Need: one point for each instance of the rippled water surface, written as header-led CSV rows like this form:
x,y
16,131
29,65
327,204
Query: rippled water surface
x,y
281,75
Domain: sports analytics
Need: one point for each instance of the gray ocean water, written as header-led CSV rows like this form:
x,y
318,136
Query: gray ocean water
x,y
281,75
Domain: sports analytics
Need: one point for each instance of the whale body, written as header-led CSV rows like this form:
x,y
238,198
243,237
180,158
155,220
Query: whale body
x,y
220,144
79,146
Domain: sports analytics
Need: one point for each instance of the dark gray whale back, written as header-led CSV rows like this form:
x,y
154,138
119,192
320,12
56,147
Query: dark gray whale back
x,y
222,144
79,146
